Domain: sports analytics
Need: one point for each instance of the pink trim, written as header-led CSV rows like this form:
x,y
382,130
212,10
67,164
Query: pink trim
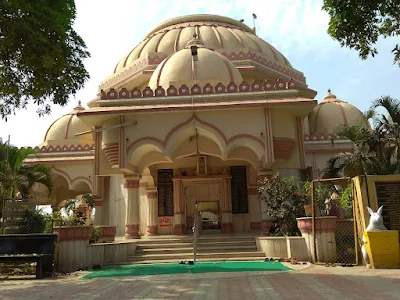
x,y
300,141
227,66
67,127
237,37
161,68
216,32
176,44
158,43
188,121
255,42
70,181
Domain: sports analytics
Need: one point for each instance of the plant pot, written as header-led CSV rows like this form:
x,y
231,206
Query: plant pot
x,y
322,224
107,234
74,233
308,209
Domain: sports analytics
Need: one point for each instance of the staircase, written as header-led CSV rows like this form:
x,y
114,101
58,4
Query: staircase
x,y
209,248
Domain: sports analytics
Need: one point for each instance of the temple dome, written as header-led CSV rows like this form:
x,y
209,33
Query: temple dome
x,y
331,113
62,131
210,67
217,32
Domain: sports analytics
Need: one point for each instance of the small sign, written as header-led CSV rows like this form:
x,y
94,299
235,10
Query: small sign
x,y
164,221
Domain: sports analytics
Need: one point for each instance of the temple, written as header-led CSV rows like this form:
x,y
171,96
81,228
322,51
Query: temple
x,y
198,112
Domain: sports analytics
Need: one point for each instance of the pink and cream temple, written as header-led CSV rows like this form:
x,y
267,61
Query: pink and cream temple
x,y
198,112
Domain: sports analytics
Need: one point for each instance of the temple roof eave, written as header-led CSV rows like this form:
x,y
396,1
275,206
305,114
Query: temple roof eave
x,y
297,106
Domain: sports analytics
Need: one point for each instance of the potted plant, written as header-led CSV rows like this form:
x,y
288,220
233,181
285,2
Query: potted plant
x,y
283,202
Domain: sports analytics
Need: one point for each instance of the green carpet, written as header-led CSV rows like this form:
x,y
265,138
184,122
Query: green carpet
x,y
200,267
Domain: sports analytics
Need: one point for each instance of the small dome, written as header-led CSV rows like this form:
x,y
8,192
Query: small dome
x,y
180,68
62,131
331,113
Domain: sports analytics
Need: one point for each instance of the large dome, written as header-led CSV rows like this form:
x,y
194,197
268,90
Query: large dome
x,y
332,113
210,68
62,131
217,32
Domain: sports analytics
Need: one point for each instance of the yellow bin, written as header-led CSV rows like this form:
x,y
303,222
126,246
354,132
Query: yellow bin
x,y
383,249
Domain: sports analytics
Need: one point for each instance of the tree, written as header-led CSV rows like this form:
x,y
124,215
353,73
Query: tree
x,y
359,24
41,55
376,151
19,177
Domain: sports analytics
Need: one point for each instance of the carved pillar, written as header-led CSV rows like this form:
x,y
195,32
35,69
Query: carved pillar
x,y
152,224
226,226
266,220
179,208
132,208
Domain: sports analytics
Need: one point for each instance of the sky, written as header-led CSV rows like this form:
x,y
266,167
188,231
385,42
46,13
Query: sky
x,y
298,29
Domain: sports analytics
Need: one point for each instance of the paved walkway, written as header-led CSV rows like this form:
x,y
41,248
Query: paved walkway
x,y
314,282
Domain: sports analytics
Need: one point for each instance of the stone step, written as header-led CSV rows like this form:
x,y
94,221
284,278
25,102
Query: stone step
x,y
239,243
200,244
189,255
164,245
162,261
199,250
189,239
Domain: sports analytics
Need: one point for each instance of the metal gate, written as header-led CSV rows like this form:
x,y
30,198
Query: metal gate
x,y
334,240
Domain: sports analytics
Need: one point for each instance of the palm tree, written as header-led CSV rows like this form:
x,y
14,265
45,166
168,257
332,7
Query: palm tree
x,y
375,151
19,177
391,105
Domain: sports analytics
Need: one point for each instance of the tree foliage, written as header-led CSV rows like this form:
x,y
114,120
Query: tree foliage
x,y
358,24
41,55
18,177
282,201
376,151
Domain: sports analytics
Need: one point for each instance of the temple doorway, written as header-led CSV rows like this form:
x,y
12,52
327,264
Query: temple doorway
x,y
207,196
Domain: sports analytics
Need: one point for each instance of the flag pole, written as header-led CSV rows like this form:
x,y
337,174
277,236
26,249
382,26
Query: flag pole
x,y
254,23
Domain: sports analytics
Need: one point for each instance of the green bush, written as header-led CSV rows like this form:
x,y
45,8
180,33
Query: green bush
x,y
35,221
96,234
283,202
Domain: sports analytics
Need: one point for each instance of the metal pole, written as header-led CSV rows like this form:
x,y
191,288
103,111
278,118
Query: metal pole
x,y
313,222
195,234
5,187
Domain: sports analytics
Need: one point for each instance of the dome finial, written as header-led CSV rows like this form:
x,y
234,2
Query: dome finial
x,y
195,41
330,96
79,103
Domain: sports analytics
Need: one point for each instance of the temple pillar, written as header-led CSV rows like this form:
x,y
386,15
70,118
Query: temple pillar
x,y
132,220
179,211
266,220
152,224
226,224
98,217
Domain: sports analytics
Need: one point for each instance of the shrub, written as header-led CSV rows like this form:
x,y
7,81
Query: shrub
x,y
283,202
35,221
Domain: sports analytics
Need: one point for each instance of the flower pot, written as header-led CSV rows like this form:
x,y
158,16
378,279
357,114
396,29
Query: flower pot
x,y
107,234
74,233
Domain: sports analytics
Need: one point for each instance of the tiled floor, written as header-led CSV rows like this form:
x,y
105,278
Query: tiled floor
x,y
314,282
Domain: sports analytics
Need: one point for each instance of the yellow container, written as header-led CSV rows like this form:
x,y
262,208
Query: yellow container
x,y
383,249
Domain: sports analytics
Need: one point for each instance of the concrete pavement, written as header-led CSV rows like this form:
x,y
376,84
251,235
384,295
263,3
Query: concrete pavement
x,y
313,282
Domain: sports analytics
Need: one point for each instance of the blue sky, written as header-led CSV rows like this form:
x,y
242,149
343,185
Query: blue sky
x,y
298,29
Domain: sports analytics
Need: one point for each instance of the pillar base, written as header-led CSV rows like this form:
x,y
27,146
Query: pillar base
x,y
266,225
179,229
152,230
226,228
132,231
